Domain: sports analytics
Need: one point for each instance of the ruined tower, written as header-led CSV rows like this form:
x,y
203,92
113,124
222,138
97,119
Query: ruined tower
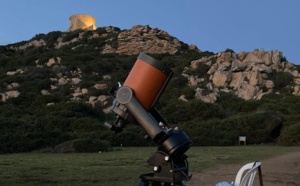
x,y
82,21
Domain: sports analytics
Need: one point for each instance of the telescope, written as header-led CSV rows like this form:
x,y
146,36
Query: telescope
x,y
134,103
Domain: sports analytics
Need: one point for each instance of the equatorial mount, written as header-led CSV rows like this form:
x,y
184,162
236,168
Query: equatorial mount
x,y
134,103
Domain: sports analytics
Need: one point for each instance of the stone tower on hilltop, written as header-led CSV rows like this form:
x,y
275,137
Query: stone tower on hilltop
x,y
82,21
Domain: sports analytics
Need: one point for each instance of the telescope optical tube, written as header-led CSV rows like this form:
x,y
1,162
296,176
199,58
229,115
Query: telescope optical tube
x,y
148,79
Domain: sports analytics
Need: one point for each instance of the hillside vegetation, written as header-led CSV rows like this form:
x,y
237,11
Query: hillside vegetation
x,y
53,93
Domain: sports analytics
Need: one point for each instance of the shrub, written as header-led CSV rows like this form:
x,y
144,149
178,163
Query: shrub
x,y
281,79
229,50
91,145
129,138
290,135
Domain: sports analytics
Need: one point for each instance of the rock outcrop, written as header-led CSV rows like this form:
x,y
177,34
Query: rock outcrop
x,y
143,39
245,74
126,42
9,94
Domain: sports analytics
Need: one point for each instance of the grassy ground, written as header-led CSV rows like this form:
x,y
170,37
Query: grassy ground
x,y
120,167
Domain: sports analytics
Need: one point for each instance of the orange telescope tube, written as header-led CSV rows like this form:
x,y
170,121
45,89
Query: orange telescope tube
x,y
148,78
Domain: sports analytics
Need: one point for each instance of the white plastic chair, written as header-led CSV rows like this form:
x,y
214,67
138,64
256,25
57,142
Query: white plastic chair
x,y
246,174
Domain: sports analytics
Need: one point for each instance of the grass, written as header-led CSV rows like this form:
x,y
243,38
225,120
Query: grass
x,y
120,167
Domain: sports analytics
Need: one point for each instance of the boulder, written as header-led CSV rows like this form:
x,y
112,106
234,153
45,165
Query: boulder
x,y
237,65
107,110
18,71
77,90
264,68
84,91
224,66
11,73
53,87
241,56
51,62
58,60
255,78
209,86
53,79
194,47
100,86
237,79
223,56
220,78
12,86
92,99
260,94
193,80
2,97
252,57
212,69
182,98
98,101
50,104
296,90
77,94
12,94
106,77
45,92
76,81
289,65
205,60
267,58
295,73
276,58
62,81
269,84
246,91
198,93
210,98
297,81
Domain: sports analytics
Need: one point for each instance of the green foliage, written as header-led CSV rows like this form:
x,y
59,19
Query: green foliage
x,y
290,135
281,79
229,50
297,67
71,35
259,127
91,145
40,126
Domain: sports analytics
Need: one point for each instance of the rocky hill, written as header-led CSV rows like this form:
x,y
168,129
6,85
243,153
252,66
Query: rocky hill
x,y
59,81
126,42
113,41
248,75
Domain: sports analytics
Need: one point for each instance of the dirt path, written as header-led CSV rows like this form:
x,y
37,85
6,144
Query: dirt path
x,y
278,171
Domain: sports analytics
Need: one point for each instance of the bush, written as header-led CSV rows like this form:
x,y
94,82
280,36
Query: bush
x,y
281,79
91,145
290,135
259,127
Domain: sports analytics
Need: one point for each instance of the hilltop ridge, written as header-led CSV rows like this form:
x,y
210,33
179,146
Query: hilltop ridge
x,y
247,75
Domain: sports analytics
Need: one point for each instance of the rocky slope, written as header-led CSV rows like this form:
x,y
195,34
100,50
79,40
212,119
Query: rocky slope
x,y
126,42
245,74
